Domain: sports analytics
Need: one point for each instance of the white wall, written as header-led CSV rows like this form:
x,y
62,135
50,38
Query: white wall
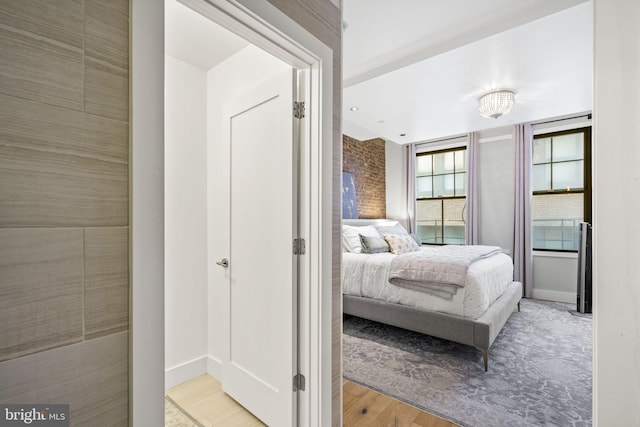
x,y
247,69
555,276
616,229
185,222
496,175
394,174
196,206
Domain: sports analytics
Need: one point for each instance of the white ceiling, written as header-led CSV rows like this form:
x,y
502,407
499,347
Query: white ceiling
x,y
195,39
419,66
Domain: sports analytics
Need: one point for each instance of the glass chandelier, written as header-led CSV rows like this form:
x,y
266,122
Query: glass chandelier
x,y
496,103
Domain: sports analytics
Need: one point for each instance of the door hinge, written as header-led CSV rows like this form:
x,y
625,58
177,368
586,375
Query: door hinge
x,y
299,246
298,109
298,382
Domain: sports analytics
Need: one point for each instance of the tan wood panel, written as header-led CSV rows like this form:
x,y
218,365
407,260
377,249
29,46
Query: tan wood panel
x,y
106,60
41,51
106,281
40,289
92,376
60,167
63,167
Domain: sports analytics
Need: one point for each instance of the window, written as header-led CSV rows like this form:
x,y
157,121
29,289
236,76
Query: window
x,y
441,180
561,183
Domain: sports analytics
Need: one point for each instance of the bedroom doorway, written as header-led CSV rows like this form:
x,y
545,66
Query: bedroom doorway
x,y
496,192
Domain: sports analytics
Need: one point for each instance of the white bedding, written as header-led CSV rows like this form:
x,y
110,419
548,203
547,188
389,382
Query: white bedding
x,y
368,276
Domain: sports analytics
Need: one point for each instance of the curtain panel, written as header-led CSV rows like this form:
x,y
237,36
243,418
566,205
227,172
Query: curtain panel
x,y
522,245
409,187
471,228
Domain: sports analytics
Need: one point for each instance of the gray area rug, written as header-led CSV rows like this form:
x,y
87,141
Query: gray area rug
x,y
540,369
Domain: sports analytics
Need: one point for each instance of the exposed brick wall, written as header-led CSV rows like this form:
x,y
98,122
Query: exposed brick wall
x,y
366,160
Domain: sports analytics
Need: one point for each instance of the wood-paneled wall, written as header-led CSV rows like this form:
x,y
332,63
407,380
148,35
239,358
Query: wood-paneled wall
x,y
64,206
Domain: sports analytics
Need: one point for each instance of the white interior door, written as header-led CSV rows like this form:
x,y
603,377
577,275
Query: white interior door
x,y
262,361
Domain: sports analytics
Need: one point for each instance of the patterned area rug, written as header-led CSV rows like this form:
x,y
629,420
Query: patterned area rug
x,y
539,369
174,417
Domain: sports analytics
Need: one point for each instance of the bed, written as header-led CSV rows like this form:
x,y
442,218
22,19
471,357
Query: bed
x,y
472,314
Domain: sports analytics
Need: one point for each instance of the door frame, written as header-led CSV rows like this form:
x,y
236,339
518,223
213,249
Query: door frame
x,y
265,26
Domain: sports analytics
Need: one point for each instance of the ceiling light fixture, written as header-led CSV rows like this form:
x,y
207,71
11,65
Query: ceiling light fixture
x,y
496,103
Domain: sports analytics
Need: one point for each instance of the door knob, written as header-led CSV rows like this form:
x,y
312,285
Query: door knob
x,y
223,263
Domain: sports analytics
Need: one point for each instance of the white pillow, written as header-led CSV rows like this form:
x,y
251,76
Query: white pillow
x,y
351,236
401,243
396,228
386,222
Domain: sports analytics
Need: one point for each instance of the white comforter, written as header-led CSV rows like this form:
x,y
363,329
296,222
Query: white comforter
x,y
368,276
437,270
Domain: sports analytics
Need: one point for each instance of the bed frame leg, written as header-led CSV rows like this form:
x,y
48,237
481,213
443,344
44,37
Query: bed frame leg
x,y
518,306
485,358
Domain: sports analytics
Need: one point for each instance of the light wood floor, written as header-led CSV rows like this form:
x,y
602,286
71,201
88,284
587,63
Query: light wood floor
x,y
364,407
203,399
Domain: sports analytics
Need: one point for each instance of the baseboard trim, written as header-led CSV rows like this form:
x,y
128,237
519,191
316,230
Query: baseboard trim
x,y
214,367
556,296
185,372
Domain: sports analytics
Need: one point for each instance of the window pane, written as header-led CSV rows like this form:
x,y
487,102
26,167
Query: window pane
x,y
567,147
423,165
443,185
541,177
423,187
555,220
461,184
541,150
461,160
441,175
567,175
429,220
453,216
443,162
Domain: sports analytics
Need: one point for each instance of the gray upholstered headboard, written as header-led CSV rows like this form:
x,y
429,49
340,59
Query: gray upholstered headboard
x,y
363,222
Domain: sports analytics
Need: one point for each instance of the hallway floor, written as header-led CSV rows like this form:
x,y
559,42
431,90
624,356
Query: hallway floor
x,y
205,402
207,405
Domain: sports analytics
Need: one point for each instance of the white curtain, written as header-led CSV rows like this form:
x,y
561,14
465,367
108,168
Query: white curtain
x,y
522,253
471,229
409,186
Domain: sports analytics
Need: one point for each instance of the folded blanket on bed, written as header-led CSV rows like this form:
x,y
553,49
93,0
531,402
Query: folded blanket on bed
x,y
437,270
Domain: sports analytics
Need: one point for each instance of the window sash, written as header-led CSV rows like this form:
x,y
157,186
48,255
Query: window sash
x,y
441,220
560,233
441,173
441,181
